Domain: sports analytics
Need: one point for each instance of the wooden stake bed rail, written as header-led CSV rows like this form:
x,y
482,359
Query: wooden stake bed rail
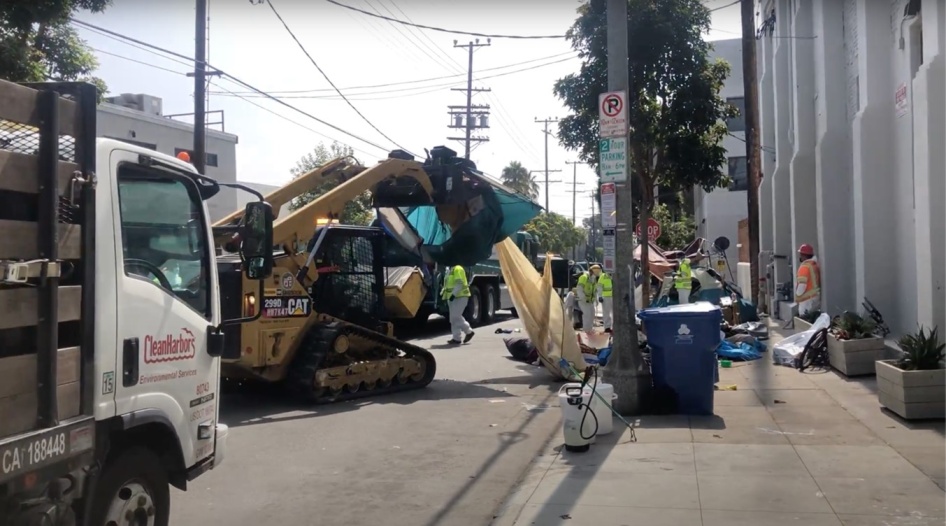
x,y
47,146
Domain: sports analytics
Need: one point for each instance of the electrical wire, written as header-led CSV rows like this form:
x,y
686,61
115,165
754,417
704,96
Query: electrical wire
x,y
142,62
431,86
443,30
725,6
408,33
429,79
232,78
327,79
264,108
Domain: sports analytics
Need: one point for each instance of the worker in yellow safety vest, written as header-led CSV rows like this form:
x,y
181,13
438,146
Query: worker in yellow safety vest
x,y
586,296
456,292
807,281
683,281
605,292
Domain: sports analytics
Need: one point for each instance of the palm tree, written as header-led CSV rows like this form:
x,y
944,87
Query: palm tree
x,y
518,178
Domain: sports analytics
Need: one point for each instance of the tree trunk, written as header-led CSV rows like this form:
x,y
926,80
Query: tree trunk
x,y
646,203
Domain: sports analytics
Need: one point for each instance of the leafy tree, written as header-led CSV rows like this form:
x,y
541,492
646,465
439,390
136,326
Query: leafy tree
x,y
556,233
518,179
675,113
356,212
676,230
37,43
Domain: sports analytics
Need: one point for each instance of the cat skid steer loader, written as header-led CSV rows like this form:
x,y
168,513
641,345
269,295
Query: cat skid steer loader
x,y
322,328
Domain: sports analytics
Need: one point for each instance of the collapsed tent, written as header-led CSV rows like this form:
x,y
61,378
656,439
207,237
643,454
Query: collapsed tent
x,y
541,311
464,233
659,265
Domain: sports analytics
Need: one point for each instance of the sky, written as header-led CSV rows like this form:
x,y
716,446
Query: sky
x,y
417,67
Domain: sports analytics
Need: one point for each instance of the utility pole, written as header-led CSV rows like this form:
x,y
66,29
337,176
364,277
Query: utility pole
x,y
753,158
546,122
631,380
470,111
200,88
574,192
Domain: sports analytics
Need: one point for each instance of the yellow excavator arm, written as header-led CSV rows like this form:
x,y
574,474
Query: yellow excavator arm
x,y
299,225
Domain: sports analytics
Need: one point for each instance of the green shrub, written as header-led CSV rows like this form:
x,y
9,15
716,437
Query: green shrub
x,y
922,351
853,326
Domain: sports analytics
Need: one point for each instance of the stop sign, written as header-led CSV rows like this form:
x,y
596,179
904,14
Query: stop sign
x,y
653,229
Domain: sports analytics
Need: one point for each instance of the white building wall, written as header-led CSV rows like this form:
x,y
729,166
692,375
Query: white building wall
x,y
166,135
718,213
857,100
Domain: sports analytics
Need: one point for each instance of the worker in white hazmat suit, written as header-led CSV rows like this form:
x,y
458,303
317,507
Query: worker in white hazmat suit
x,y
456,292
586,296
605,293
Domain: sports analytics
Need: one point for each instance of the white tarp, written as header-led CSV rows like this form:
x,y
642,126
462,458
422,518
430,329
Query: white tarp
x,y
785,351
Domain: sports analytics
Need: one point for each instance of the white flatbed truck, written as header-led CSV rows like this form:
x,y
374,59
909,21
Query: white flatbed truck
x,y
110,319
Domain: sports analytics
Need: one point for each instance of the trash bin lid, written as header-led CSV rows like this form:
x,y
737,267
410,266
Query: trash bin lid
x,y
699,309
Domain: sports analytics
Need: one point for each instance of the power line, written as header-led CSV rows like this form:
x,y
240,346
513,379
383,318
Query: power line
x,y
429,79
423,34
231,77
408,32
442,30
725,6
327,79
505,73
142,62
264,108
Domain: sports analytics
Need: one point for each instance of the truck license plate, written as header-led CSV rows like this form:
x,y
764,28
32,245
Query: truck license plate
x,y
43,448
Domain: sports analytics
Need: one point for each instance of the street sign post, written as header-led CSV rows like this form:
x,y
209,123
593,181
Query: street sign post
x,y
653,229
612,155
612,114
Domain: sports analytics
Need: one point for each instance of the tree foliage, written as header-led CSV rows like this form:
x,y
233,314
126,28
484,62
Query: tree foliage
x,y
358,211
675,113
676,231
556,233
518,179
37,43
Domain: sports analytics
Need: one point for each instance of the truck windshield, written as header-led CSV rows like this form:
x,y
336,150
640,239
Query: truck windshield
x,y
163,234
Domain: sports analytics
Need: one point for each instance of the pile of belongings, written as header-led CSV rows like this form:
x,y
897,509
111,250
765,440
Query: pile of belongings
x,y
756,329
521,349
741,347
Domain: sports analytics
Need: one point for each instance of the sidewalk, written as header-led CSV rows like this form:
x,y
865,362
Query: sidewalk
x,y
811,449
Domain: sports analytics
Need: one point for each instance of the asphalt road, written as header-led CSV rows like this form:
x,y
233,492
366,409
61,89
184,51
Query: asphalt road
x,y
448,454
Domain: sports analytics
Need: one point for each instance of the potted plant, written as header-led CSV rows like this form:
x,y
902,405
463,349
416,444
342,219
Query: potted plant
x,y
805,321
852,345
914,386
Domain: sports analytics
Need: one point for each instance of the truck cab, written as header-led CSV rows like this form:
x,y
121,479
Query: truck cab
x,y
111,322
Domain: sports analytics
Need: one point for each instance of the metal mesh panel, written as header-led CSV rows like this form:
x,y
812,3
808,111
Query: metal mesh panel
x,y
350,283
21,138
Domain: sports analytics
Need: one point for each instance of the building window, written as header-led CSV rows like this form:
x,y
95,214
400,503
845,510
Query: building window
x,y
211,157
738,174
737,123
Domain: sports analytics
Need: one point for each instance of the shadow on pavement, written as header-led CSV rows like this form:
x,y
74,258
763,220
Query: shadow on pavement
x,y
251,404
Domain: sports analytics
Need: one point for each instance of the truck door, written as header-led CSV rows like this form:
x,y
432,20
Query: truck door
x,y
166,302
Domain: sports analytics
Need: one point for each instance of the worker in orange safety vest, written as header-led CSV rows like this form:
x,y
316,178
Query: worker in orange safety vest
x,y
807,281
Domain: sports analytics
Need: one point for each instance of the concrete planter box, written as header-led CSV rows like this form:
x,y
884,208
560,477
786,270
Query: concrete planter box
x,y
801,325
911,394
855,357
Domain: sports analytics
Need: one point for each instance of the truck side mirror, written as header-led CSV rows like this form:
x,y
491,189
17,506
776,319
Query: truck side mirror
x,y
256,233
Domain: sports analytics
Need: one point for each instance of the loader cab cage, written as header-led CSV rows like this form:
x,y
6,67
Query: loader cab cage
x,y
350,267
446,172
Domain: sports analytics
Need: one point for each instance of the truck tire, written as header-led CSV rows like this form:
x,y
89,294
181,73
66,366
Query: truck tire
x,y
490,300
474,309
133,482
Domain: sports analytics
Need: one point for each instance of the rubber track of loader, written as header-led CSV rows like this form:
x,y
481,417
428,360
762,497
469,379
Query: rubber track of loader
x,y
317,345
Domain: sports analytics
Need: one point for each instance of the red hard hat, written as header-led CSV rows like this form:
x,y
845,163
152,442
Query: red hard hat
x,y
806,250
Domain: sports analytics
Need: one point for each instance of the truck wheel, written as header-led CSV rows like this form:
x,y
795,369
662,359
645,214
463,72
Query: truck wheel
x,y
133,489
489,304
474,309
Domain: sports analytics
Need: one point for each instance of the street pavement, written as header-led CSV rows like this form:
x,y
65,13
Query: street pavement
x,y
446,455
784,448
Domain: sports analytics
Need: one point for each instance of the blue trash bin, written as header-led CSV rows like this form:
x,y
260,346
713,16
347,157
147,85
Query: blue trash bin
x,y
683,341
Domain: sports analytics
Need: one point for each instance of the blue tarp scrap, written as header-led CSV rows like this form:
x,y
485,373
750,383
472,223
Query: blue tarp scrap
x,y
740,351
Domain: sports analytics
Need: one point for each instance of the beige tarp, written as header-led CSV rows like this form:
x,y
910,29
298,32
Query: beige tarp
x,y
541,310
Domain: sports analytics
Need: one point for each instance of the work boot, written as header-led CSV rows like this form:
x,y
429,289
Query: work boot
x,y
451,341
468,337
608,330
